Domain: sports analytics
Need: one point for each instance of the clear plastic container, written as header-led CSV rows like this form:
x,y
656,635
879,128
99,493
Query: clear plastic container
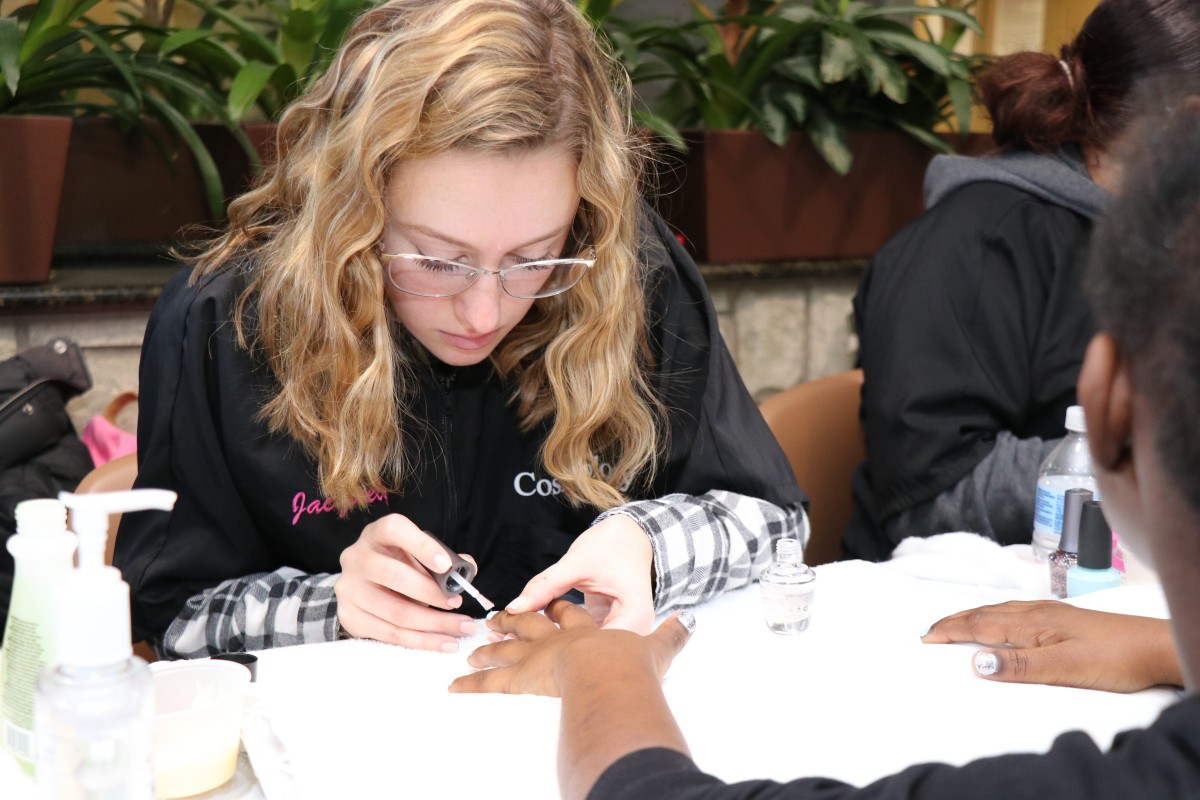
x,y
197,724
1069,466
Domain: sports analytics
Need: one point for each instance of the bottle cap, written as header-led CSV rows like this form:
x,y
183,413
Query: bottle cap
x,y
1073,501
1095,538
1075,419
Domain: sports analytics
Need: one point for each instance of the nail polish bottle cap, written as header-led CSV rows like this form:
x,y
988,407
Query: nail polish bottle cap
x,y
1073,501
1095,538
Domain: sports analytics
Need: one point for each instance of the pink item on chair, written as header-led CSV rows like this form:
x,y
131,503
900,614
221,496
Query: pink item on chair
x,y
104,440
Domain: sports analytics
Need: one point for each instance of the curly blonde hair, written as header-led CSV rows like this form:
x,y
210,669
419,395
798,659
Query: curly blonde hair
x,y
416,78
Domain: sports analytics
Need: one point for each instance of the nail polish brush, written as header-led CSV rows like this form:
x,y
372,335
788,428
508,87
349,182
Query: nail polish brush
x,y
457,579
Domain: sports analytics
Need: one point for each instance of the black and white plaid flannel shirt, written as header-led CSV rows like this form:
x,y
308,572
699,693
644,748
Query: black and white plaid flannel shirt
x,y
703,545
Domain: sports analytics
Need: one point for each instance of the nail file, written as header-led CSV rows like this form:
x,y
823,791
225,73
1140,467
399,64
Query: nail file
x,y
488,605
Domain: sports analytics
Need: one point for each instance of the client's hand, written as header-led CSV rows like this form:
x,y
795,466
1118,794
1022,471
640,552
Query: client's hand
x,y
1059,644
566,641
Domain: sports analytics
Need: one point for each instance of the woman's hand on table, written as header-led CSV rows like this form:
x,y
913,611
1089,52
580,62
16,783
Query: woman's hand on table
x,y
611,564
1058,644
386,592
539,652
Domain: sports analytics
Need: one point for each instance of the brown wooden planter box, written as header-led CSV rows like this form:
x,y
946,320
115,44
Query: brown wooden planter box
x,y
121,195
33,160
735,196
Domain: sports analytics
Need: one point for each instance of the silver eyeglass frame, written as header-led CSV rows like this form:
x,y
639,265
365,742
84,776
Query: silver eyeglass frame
x,y
479,272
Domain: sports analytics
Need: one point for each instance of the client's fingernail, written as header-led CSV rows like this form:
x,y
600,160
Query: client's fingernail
x,y
986,663
688,620
441,562
467,628
925,633
449,647
492,613
517,606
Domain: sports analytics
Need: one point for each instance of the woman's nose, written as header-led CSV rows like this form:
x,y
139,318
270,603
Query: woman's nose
x,y
479,306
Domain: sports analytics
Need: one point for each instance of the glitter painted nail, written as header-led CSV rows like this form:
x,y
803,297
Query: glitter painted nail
x,y
986,663
688,620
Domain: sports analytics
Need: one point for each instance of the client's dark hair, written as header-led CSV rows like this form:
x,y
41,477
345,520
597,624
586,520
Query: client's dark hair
x,y
1037,103
1144,279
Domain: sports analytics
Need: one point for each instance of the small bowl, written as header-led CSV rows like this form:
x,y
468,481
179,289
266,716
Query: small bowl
x,y
197,724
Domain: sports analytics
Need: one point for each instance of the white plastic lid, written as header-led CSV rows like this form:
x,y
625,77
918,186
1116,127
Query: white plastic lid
x,y
92,618
1075,419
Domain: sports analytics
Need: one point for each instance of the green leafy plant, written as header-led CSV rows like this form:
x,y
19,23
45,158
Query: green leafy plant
x,y
262,53
55,60
822,67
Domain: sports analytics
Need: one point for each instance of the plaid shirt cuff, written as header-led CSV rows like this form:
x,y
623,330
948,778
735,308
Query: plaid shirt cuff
x,y
709,544
269,609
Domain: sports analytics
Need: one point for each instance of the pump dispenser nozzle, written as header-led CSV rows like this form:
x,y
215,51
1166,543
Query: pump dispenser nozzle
x,y
89,516
93,616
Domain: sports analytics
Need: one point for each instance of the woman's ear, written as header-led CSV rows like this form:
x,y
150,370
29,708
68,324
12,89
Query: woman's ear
x,y
1105,392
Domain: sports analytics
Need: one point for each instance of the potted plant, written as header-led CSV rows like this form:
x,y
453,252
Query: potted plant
x,y
56,61
785,107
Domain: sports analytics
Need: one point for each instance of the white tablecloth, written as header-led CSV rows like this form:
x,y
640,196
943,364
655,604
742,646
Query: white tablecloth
x,y
855,697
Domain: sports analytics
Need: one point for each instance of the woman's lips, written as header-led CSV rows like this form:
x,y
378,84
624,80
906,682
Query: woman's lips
x,y
469,342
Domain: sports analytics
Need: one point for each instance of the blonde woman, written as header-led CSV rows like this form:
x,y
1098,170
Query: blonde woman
x,y
445,311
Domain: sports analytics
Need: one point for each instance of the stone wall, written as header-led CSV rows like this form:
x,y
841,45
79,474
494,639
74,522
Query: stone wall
x,y
785,331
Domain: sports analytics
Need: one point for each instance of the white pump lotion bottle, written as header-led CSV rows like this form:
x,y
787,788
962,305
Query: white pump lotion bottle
x,y
95,704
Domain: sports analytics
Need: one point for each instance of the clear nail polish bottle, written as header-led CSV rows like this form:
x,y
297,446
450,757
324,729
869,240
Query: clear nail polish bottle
x,y
787,589
1067,553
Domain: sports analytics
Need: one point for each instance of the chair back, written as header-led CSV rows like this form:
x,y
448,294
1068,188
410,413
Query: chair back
x,y
115,476
816,423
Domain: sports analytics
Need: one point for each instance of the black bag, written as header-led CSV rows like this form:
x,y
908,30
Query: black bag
x,y
40,454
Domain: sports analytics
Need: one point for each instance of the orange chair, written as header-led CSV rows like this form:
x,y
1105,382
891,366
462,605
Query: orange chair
x,y
115,476
816,423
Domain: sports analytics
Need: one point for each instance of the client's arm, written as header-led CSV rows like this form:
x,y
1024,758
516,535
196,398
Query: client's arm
x,y
608,679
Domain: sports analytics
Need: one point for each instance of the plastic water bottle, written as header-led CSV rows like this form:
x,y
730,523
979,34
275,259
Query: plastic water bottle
x,y
1069,466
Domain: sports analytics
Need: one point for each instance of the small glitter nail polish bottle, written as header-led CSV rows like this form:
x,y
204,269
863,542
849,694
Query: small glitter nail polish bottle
x,y
1067,553
787,589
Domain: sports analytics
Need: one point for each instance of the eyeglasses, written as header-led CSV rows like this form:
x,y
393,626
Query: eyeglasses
x,y
437,277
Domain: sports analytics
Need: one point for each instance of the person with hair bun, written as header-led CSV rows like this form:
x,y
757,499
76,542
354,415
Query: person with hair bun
x,y
972,322
445,312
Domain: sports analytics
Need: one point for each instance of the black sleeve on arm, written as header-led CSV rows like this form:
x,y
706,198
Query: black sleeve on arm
x,y
192,374
1159,763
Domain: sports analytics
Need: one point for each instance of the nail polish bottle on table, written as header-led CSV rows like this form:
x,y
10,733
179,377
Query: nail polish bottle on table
x,y
1066,555
1093,570
787,589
